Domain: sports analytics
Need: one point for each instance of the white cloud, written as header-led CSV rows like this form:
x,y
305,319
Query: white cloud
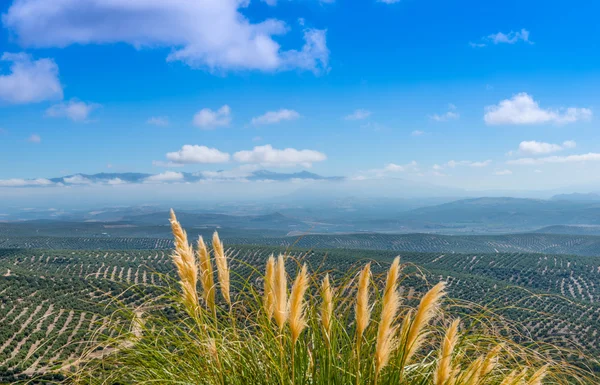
x,y
24,182
77,179
74,109
451,114
29,81
167,176
116,181
34,138
417,133
503,172
160,163
272,117
477,45
392,167
536,148
522,109
211,34
158,121
194,154
269,156
511,37
589,157
358,115
207,118
468,163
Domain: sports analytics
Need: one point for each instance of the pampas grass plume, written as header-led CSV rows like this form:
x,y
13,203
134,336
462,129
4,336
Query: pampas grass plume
x,y
296,306
222,268
280,311
386,330
444,372
206,274
269,288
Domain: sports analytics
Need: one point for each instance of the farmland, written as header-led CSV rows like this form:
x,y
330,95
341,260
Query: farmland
x,y
586,245
51,300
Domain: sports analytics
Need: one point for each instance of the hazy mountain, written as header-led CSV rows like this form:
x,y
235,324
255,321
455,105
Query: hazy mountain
x,y
577,197
517,213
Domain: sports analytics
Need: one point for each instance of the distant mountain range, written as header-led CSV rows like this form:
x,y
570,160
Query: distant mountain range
x,y
133,177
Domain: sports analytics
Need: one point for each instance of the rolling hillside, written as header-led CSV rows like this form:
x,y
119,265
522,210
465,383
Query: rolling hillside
x,y
52,300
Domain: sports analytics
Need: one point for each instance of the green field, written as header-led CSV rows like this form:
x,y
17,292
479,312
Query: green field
x,y
586,245
52,300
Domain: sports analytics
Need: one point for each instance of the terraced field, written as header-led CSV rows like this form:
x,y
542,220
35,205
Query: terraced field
x,y
51,301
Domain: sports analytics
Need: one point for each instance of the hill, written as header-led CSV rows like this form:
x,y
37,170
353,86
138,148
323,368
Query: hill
x,y
52,300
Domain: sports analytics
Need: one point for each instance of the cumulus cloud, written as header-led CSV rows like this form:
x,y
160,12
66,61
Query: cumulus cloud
x,y
392,167
160,163
272,117
268,156
522,109
74,109
77,179
387,170
451,114
116,181
511,37
194,154
468,163
34,138
207,118
28,80
358,115
25,182
589,157
417,133
533,147
158,121
167,176
503,172
211,34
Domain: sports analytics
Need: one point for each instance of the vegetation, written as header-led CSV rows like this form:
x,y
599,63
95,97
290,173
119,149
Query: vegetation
x,y
585,245
358,329
55,304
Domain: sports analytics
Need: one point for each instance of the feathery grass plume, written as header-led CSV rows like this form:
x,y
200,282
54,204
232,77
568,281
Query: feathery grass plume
x,y
513,378
280,311
443,374
206,274
363,313
510,378
490,361
297,318
185,261
326,308
537,377
471,374
386,331
428,308
268,297
222,268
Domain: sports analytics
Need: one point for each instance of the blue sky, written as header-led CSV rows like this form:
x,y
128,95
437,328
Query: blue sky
x,y
471,94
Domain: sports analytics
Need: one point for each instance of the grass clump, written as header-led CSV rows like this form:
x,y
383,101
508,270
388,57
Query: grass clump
x,y
327,328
